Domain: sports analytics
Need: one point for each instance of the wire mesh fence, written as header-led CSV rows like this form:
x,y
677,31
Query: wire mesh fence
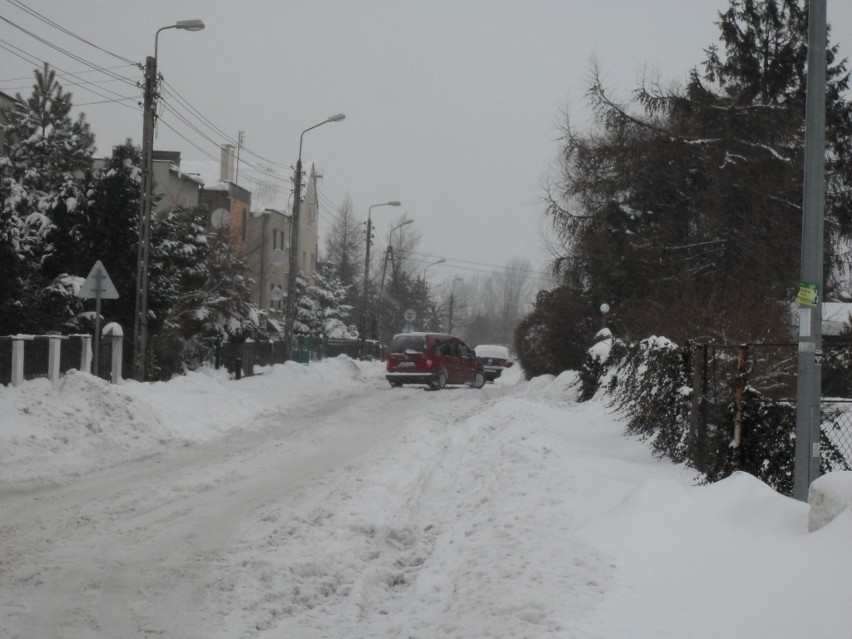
x,y
754,379
837,427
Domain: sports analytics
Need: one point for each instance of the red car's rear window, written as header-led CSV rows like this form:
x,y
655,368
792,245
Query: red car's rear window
x,y
408,344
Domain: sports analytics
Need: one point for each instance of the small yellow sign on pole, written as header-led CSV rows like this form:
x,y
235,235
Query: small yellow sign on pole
x,y
808,294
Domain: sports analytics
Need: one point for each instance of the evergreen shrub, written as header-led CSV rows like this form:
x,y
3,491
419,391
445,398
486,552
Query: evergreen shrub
x,y
649,384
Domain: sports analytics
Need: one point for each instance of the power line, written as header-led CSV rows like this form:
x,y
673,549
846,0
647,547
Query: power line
x,y
482,264
15,51
21,5
30,58
81,71
107,101
200,116
65,52
92,82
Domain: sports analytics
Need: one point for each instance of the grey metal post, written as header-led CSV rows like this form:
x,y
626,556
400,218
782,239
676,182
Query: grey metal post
x,y
809,386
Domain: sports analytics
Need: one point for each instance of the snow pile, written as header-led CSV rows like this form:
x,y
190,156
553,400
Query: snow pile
x,y
829,496
49,435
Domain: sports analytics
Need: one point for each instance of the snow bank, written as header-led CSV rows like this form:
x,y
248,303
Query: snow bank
x,y
48,435
829,496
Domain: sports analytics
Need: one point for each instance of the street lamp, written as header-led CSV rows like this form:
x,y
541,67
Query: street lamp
x,y
441,261
290,307
363,321
140,322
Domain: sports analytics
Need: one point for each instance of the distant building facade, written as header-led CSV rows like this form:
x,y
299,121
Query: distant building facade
x,y
174,188
261,231
258,230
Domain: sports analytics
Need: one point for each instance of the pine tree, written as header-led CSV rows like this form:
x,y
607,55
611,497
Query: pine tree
x,y
307,319
344,248
685,214
45,159
44,145
199,289
17,263
334,314
111,232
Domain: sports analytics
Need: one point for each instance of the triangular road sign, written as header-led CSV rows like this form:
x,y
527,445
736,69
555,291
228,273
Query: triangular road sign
x,y
98,284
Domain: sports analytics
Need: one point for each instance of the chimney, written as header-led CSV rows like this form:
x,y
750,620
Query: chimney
x,y
226,165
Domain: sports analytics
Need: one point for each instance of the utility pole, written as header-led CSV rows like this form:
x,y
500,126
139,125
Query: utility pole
x,y
240,139
290,308
365,301
365,305
809,383
140,322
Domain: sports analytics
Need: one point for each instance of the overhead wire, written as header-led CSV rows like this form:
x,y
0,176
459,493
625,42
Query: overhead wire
x,y
32,59
23,6
430,256
79,72
200,116
16,51
67,53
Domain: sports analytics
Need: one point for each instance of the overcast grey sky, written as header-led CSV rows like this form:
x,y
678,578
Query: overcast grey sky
x,y
452,106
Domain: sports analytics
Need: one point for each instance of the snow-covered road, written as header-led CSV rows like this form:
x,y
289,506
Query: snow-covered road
x,y
128,551
316,502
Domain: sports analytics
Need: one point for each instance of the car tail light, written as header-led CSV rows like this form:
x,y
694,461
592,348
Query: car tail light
x,y
428,363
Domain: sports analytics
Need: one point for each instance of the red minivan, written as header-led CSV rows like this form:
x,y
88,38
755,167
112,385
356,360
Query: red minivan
x,y
433,359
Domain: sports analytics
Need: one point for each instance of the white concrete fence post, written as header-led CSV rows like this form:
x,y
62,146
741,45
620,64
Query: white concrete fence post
x,y
113,331
53,352
86,354
18,358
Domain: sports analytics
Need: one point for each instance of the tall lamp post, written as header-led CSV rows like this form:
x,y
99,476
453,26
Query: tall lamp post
x,y
290,307
363,321
140,322
441,261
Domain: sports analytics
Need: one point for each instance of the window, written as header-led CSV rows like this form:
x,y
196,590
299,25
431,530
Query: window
x,y
407,343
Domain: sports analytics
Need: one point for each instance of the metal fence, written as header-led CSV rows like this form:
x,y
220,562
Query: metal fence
x,y
733,375
5,360
837,426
